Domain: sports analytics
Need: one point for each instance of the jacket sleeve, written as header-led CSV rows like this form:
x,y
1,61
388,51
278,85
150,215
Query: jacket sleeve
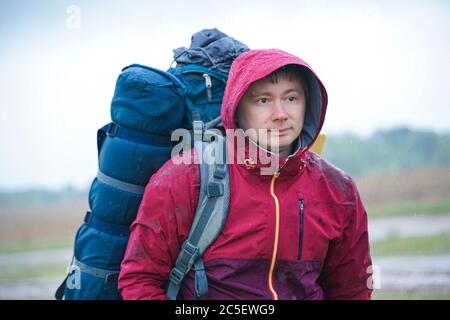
x,y
347,269
162,223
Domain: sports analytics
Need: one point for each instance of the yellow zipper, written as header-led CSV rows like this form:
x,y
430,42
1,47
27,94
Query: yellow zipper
x,y
277,230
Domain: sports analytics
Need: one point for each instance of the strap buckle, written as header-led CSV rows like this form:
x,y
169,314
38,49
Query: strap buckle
x,y
220,171
215,189
189,252
113,129
88,217
176,276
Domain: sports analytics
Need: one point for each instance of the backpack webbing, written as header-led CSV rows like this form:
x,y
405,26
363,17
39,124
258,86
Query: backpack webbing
x,y
210,216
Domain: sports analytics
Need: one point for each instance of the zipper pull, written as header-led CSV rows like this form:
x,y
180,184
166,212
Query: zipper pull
x,y
277,173
208,85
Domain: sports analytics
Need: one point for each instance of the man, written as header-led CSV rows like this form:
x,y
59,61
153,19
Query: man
x,y
295,230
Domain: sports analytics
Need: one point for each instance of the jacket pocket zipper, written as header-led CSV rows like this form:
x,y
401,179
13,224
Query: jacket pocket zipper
x,y
301,204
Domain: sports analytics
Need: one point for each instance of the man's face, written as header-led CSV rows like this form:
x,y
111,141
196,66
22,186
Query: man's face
x,y
278,108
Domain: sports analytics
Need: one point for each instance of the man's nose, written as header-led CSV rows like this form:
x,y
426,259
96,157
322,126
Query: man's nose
x,y
278,111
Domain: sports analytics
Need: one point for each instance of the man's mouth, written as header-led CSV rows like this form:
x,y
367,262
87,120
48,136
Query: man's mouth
x,y
281,131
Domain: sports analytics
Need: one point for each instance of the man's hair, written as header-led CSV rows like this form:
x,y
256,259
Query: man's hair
x,y
290,72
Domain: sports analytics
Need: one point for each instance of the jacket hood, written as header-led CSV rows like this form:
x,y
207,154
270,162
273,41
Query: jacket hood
x,y
254,65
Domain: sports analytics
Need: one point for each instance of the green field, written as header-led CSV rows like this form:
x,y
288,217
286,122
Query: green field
x,y
44,243
410,296
39,220
424,191
23,272
409,208
41,226
416,246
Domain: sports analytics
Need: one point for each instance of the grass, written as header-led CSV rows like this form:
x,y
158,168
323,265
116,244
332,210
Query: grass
x,y
422,185
23,272
409,208
417,245
51,221
411,296
40,227
49,243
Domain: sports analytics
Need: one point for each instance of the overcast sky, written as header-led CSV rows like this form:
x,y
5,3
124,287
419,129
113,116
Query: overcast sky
x,y
384,63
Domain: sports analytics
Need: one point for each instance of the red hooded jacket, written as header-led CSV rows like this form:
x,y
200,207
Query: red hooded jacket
x,y
299,233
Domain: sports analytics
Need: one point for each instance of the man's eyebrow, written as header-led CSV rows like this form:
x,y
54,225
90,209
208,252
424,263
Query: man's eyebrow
x,y
254,94
293,90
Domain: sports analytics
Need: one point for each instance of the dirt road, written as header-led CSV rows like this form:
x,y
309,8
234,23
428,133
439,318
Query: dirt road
x,y
415,225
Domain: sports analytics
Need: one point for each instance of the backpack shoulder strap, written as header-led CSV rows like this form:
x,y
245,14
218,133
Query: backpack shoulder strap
x,y
210,216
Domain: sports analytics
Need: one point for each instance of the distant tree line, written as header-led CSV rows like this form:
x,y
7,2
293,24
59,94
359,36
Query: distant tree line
x,y
385,151
388,151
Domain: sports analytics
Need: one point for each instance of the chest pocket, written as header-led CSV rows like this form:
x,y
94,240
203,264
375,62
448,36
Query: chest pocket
x,y
319,225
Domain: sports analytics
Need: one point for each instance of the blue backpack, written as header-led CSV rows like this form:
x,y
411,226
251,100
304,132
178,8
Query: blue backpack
x,y
205,89
147,106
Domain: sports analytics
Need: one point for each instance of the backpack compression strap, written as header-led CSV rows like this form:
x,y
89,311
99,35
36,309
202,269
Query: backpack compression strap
x,y
210,216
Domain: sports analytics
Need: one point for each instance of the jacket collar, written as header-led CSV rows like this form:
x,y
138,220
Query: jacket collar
x,y
259,161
